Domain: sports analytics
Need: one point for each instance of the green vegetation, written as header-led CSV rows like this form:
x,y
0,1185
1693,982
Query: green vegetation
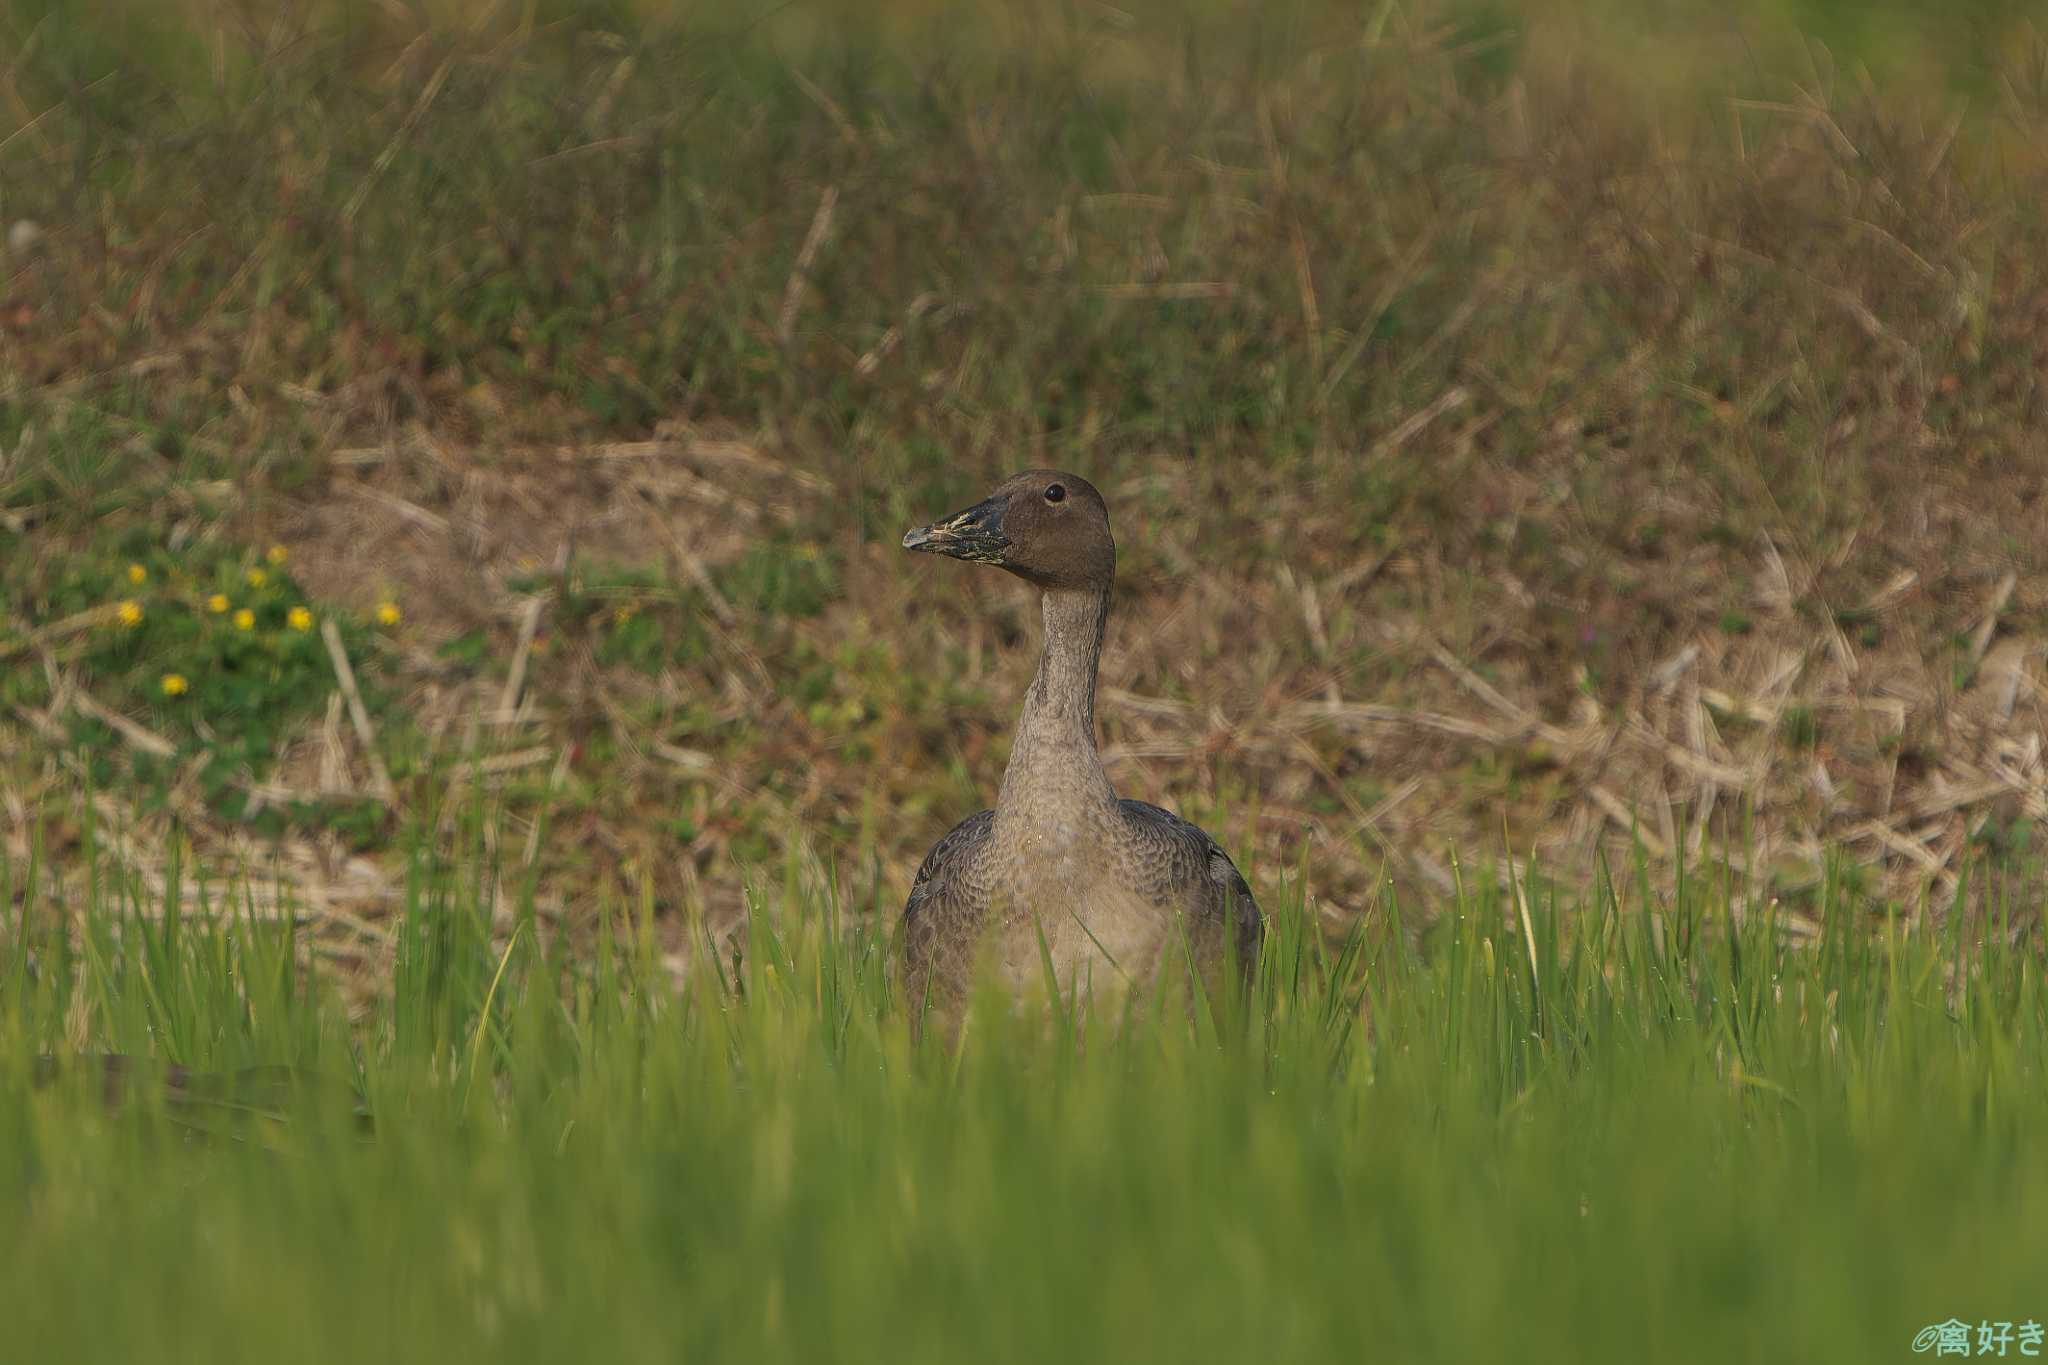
x,y
1650,1129
1613,355
1606,431
217,650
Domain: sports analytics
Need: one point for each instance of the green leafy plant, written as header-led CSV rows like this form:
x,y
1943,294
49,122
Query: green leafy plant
x,y
217,650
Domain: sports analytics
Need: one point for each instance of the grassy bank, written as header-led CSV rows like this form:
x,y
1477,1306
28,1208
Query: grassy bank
x,y
1619,425
1645,1133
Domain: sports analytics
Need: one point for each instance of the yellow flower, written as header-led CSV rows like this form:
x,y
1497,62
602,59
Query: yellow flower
x,y
137,574
387,613
621,615
298,618
174,684
245,619
217,603
129,613
257,578
277,554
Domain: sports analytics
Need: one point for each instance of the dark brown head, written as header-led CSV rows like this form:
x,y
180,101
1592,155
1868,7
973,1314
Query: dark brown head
x,y
1046,526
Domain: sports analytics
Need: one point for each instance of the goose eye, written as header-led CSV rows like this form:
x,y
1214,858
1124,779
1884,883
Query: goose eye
x,y
1055,492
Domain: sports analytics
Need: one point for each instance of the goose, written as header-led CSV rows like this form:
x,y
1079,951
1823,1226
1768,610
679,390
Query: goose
x,y
1062,870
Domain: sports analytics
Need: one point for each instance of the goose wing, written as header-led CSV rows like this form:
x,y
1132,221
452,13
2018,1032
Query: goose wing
x,y
1185,861
934,907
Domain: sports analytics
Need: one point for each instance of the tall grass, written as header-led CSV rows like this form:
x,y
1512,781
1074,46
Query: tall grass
x,y
1648,1129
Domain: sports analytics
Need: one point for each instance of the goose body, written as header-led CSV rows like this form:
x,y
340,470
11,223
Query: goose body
x,y
1109,891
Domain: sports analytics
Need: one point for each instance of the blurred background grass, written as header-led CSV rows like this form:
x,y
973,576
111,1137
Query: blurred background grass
x,y
1594,423
1608,431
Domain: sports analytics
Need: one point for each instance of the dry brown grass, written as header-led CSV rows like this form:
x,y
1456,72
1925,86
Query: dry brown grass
x,y
1503,459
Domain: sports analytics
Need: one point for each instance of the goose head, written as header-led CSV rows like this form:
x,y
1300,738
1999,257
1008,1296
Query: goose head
x,y
1048,527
